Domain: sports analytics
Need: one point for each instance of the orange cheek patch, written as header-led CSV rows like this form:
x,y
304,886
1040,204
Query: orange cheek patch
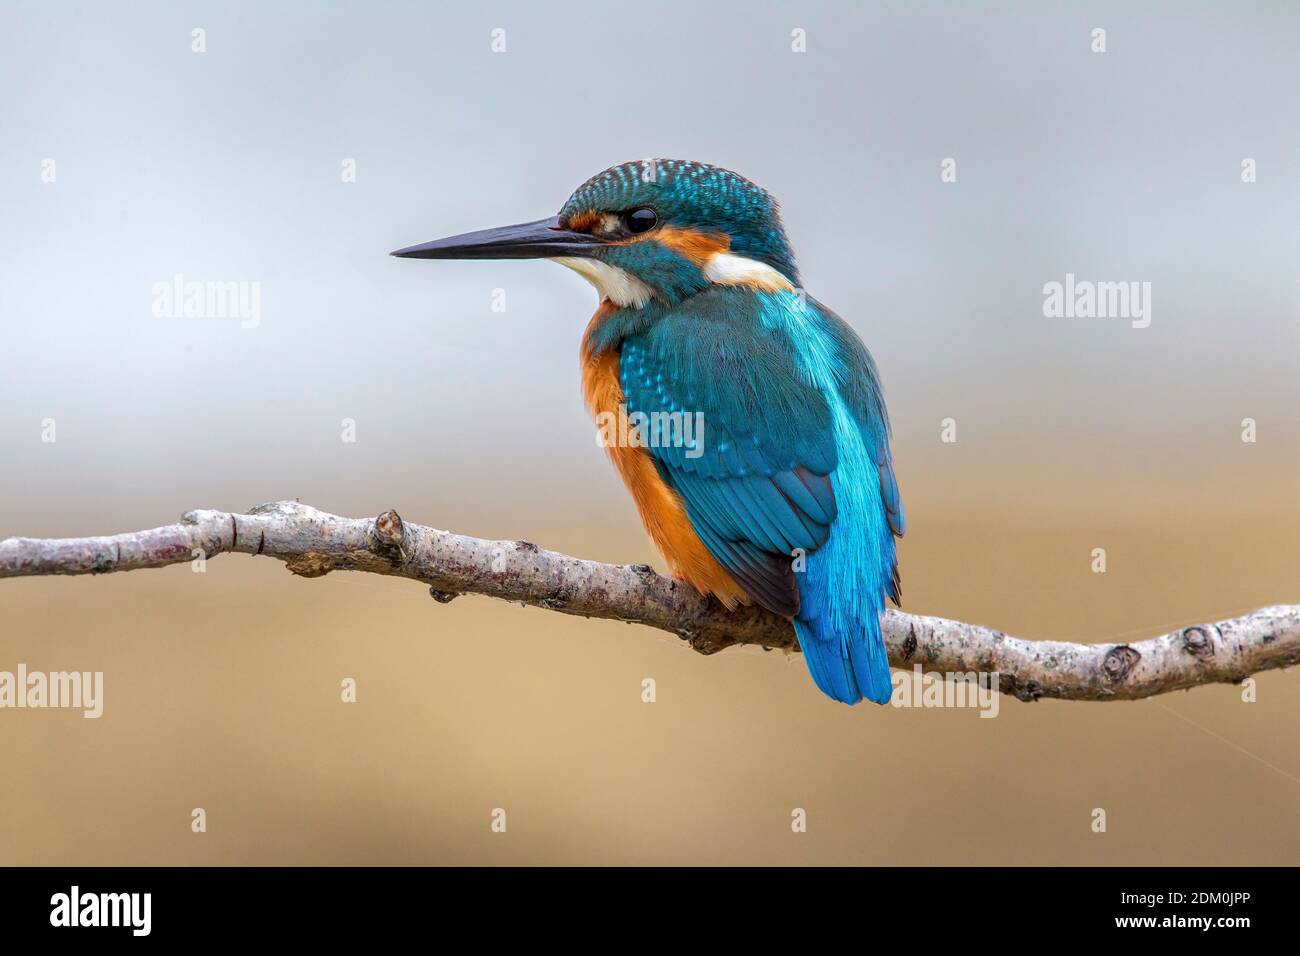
x,y
699,247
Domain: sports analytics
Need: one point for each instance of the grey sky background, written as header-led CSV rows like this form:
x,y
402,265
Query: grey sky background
x,y
226,166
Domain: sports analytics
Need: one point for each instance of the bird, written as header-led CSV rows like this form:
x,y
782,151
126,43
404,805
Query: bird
x,y
786,498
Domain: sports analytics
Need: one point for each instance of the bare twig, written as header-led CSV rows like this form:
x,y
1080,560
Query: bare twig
x,y
312,543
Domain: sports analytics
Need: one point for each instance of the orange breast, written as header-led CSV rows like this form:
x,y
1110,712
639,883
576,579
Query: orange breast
x,y
661,509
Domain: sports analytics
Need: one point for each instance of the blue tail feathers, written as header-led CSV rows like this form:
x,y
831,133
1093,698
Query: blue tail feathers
x,y
847,664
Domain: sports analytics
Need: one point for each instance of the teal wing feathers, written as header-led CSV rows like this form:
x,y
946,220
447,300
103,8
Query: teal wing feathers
x,y
756,482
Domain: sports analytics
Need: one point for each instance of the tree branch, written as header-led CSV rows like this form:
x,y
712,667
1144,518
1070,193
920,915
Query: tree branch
x,y
312,543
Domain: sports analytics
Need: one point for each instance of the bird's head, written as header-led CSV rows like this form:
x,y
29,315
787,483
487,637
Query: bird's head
x,y
652,229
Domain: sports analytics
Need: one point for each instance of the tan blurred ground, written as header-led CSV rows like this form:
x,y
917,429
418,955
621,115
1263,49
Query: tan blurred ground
x,y
222,691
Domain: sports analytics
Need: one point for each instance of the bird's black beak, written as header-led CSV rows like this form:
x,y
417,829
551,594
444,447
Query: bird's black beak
x,y
528,240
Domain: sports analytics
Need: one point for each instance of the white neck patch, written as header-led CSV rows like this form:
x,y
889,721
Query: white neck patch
x,y
727,269
624,289
618,285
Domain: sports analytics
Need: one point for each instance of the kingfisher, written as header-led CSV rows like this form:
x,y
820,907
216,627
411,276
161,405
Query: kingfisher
x,y
787,497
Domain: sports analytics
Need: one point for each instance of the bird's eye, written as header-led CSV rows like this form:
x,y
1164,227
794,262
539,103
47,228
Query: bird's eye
x,y
640,220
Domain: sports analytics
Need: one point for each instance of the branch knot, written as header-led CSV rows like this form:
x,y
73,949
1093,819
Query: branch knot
x,y
1199,640
1118,662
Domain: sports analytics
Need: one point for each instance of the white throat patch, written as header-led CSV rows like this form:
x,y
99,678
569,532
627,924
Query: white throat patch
x,y
619,286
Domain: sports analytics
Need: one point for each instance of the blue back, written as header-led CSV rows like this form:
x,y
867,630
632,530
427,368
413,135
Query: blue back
x,y
793,490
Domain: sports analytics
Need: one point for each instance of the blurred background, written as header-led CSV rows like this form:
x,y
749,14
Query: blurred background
x,y
231,164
